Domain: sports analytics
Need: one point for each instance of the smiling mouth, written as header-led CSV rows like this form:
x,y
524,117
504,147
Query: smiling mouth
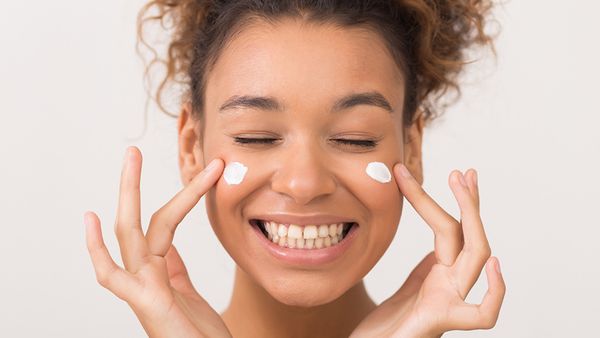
x,y
307,237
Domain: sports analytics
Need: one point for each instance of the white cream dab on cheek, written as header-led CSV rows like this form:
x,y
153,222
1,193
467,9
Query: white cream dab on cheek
x,y
234,173
379,172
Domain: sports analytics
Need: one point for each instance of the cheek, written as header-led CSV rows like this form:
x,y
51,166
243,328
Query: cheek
x,y
225,201
378,196
382,201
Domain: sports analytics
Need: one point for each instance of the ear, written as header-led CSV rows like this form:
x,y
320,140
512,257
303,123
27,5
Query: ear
x,y
191,156
413,147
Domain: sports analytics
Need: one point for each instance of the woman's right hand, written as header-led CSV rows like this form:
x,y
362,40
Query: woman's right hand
x,y
155,282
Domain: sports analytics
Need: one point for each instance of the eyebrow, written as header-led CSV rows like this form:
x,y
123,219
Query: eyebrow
x,y
266,103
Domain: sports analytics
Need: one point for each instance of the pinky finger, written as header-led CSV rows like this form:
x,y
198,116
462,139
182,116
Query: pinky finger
x,y
108,273
484,315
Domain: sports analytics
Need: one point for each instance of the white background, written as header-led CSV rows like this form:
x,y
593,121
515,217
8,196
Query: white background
x,y
71,97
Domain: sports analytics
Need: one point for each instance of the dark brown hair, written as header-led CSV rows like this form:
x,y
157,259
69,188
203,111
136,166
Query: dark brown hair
x,y
427,38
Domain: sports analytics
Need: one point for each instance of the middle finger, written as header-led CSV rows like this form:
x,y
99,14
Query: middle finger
x,y
128,227
476,250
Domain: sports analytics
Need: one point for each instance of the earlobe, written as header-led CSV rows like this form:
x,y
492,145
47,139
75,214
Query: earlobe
x,y
413,158
191,159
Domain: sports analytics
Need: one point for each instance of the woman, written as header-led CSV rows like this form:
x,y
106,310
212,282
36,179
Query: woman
x,y
302,127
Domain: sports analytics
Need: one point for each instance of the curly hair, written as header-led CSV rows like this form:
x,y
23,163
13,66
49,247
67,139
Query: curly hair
x,y
428,39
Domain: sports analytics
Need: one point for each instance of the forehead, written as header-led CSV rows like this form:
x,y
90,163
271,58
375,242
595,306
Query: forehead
x,y
305,63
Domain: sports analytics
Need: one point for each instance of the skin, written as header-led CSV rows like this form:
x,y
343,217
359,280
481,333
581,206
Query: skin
x,y
275,61
306,68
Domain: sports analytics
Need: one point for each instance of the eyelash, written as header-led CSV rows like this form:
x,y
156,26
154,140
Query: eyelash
x,y
358,143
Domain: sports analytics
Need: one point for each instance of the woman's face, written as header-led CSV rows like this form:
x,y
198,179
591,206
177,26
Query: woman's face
x,y
310,170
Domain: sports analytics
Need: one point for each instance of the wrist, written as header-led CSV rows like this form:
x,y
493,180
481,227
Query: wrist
x,y
414,326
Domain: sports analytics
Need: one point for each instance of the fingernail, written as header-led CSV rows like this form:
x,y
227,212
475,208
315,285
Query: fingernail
x,y
497,265
404,171
462,180
475,176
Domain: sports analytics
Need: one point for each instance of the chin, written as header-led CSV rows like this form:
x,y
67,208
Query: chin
x,y
306,292
305,298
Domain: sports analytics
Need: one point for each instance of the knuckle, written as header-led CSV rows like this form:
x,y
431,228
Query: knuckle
x,y
486,251
120,231
420,192
447,232
481,252
488,321
420,195
103,278
156,216
451,228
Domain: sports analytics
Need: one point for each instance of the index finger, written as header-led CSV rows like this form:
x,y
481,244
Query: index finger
x,y
446,229
166,219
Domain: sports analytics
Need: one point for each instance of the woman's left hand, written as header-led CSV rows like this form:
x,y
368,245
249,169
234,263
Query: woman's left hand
x,y
431,301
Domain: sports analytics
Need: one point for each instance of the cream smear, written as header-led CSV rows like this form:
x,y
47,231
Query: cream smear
x,y
234,173
379,172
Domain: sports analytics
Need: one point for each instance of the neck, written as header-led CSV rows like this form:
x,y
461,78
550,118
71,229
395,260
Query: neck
x,y
252,312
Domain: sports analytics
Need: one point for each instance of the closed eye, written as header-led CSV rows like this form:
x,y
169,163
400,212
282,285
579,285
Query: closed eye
x,y
247,140
345,142
360,143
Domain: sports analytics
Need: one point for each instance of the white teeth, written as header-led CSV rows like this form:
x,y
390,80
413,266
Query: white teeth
x,y
310,231
294,231
332,229
319,243
291,242
323,230
282,231
307,237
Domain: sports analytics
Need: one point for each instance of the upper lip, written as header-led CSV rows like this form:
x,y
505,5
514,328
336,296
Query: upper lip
x,y
308,219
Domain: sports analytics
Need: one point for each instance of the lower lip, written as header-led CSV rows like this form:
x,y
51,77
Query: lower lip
x,y
307,256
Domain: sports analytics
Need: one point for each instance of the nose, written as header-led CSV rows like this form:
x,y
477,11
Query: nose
x,y
304,176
